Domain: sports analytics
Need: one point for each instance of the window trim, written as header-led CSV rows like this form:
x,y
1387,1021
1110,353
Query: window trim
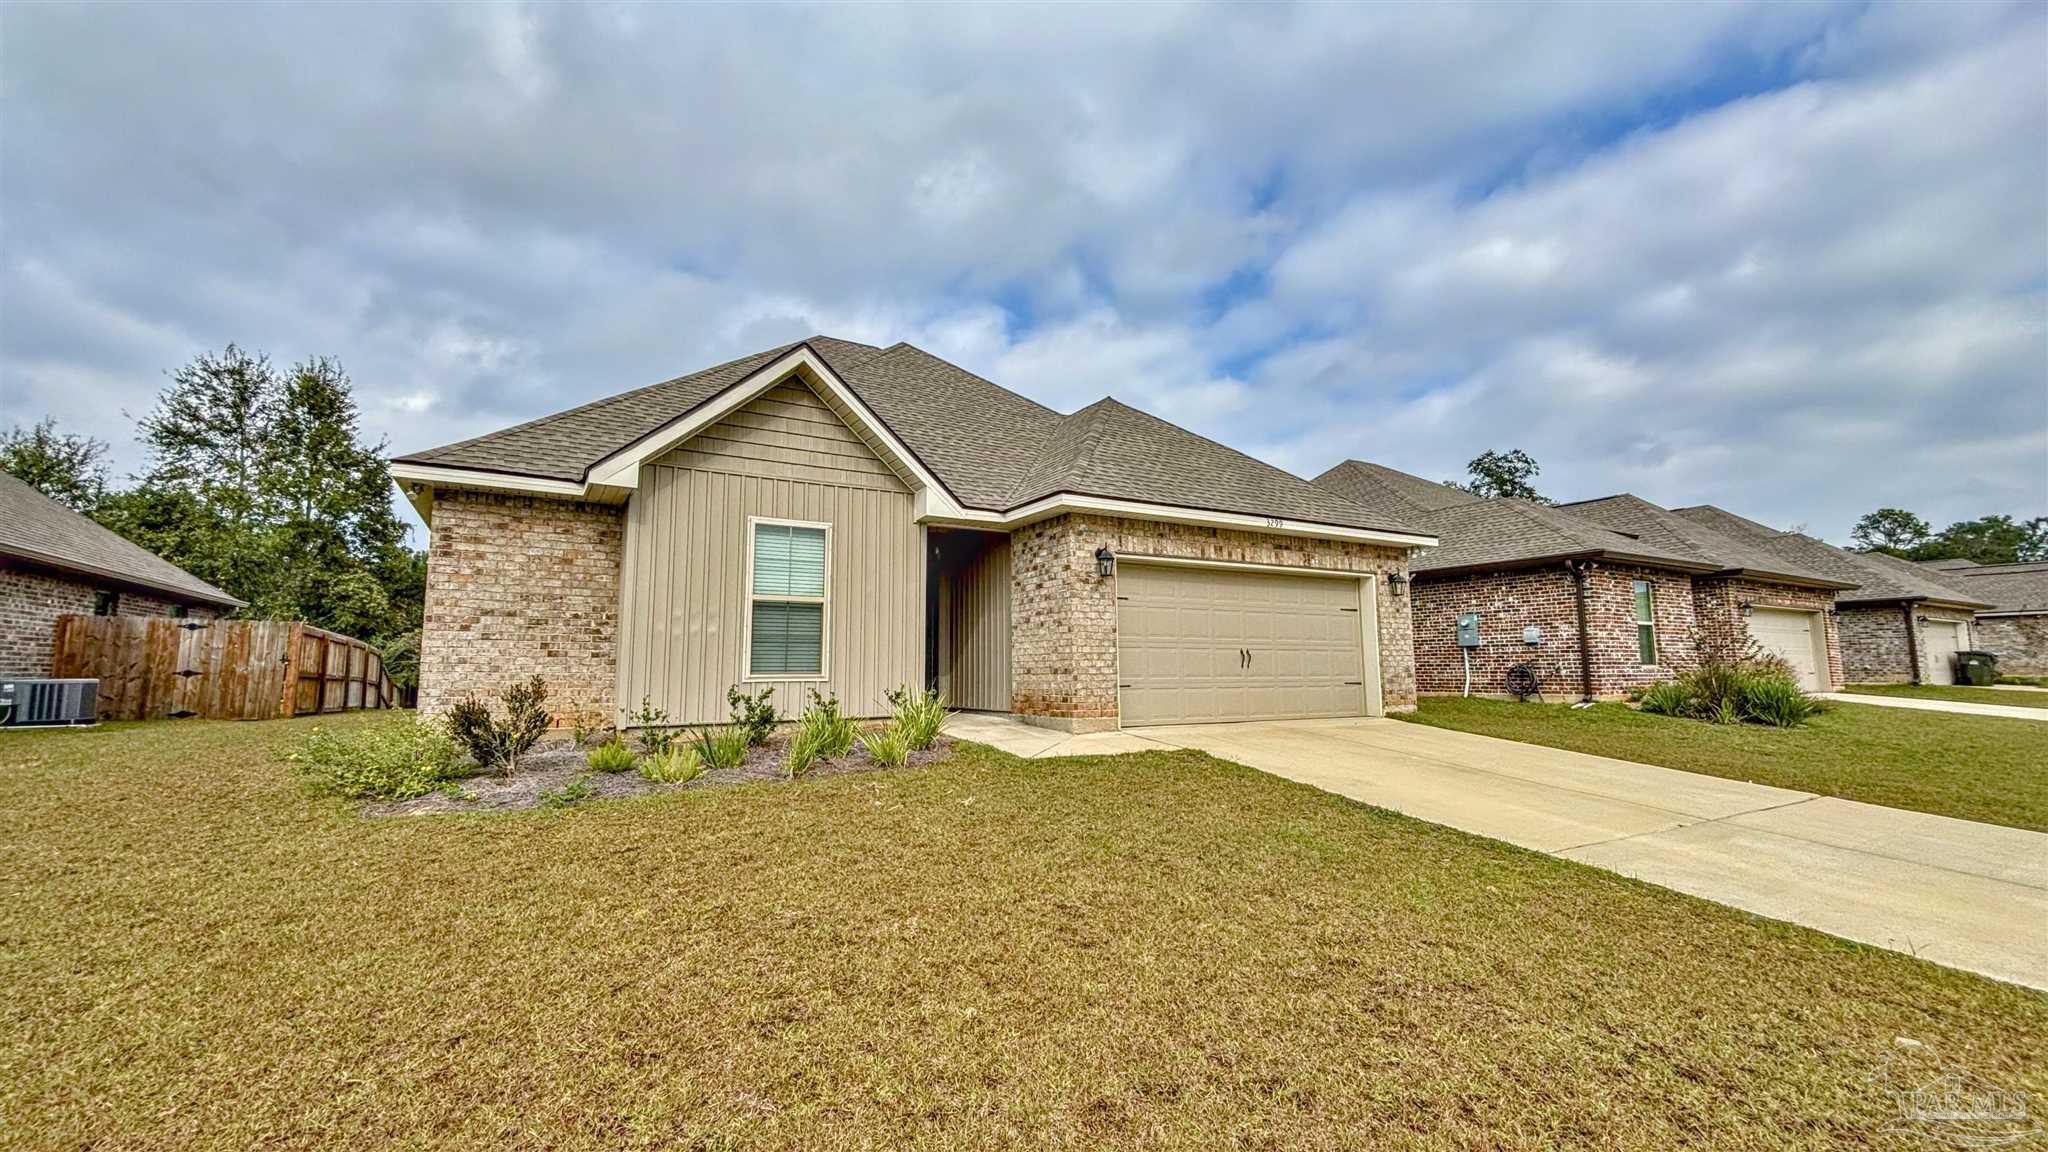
x,y
824,672
1649,600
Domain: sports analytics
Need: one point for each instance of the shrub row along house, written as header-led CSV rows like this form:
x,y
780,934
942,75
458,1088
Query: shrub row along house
x,y
54,561
837,517
1601,597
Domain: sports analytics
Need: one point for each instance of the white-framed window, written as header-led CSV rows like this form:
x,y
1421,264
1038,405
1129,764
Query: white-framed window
x,y
789,599
1646,622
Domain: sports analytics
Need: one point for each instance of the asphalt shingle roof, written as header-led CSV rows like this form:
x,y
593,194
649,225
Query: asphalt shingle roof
x,y
1663,528
35,528
992,448
1877,577
2006,587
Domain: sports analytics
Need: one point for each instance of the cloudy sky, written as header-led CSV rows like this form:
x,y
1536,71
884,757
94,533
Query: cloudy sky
x,y
1791,259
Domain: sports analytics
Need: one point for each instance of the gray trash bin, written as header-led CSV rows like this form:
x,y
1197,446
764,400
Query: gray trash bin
x,y
1974,667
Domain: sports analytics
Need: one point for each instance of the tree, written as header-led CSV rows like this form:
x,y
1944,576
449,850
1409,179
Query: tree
x,y
1496,474
1892,530
209,433
1988,540
68,468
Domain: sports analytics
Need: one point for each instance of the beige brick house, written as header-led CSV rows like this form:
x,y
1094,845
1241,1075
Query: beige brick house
x,y
1596,598
54,562
834,516
2013,622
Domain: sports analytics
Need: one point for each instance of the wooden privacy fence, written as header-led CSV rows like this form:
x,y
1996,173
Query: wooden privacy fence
x,y
150,668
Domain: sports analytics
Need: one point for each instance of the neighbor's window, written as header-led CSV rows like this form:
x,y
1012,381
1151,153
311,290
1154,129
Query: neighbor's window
x,y
786,619
106,603
1646,624
179,612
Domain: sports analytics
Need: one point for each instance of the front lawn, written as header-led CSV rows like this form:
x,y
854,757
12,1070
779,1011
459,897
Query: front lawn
x,y
1962,693
1973,767
1161,950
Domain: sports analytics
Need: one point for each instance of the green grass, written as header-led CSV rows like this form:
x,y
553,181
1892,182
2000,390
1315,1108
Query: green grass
x,y
1973,767
2029,681
1962,693
1153,951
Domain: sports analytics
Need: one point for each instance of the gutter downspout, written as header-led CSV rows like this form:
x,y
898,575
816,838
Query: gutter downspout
x,y
1912,641
1578,569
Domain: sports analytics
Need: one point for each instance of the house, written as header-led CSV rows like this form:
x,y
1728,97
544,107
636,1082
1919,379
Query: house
x,y
833,516
2014,625
1901,624
1601,596
54,561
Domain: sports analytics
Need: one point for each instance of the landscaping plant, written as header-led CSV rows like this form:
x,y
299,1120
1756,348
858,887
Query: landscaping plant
x,y
754,714
721,747
393,760
611,756
919,715
1753,691
889,746
500,744
650,725
578,789
821,733
680,764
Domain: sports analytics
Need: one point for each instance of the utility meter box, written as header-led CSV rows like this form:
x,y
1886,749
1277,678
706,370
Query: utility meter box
x,y
1532,635
1468,629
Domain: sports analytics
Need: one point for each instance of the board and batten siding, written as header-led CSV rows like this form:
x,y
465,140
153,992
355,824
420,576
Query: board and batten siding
x,y
684,598
978,630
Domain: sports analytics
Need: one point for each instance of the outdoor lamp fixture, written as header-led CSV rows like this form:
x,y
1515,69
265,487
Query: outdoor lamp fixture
x,y
1748,608
1105,562
1397,581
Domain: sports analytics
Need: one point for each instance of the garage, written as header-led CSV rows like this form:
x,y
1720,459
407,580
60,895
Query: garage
x,y
1796,637
1215,644
1940,640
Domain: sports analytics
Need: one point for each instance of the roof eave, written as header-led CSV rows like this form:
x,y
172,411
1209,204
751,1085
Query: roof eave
x,y
1602,555
126,579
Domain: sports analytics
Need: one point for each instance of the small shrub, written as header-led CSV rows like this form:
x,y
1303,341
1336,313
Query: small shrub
x,y
1760,661
1715,690
821,734
721,747
1777,702
1666,698
889,746
396,760
578,789
497,744
919,716
611,756
753,714
679,765
650,727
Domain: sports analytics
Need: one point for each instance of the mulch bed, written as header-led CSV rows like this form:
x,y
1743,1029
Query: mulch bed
x,y
554,764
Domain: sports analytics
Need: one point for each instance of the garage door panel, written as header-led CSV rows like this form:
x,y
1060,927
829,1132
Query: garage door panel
x,y
1184,631
1792,636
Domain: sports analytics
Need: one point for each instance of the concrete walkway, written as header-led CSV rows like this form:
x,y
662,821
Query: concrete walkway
x,y
2010,711
1969,895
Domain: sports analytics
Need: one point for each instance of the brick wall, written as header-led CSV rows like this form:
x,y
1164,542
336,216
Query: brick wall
x,y
1545,598
2020,641
518,586
1874,644
1063,616
31,600
1724,630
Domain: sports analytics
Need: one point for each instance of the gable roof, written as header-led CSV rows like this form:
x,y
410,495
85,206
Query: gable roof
x,y
38,530
1878,578
2009,589
1479,533
1665,529
992,449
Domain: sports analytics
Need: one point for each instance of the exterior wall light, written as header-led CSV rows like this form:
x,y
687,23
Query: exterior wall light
x,y
1397,581
1747,608
1105,562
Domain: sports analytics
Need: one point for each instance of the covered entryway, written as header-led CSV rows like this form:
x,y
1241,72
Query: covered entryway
x,y
1940,640
1205,644
1796,637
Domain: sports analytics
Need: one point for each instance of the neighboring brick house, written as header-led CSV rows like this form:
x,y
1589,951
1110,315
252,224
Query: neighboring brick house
x,y
2013,624
54,561
1618,592
1899,625
842,518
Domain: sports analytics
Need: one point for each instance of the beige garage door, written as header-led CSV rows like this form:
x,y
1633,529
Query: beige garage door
x,y
1793,636
1940,640
1198,645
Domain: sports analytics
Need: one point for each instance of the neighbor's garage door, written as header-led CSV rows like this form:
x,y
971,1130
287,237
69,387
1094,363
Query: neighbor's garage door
x,y
1790,635
1940,640
1206,644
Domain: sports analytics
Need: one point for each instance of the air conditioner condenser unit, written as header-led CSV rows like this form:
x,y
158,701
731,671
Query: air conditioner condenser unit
x,y
27,702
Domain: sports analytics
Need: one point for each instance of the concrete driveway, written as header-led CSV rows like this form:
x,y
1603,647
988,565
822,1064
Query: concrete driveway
x,y
1956,892
1962,707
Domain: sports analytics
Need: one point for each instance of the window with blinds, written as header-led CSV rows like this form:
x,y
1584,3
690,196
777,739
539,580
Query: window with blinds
x,y
1646,624
786,621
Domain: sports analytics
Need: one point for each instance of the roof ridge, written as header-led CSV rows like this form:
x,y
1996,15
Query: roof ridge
x,y
901,345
